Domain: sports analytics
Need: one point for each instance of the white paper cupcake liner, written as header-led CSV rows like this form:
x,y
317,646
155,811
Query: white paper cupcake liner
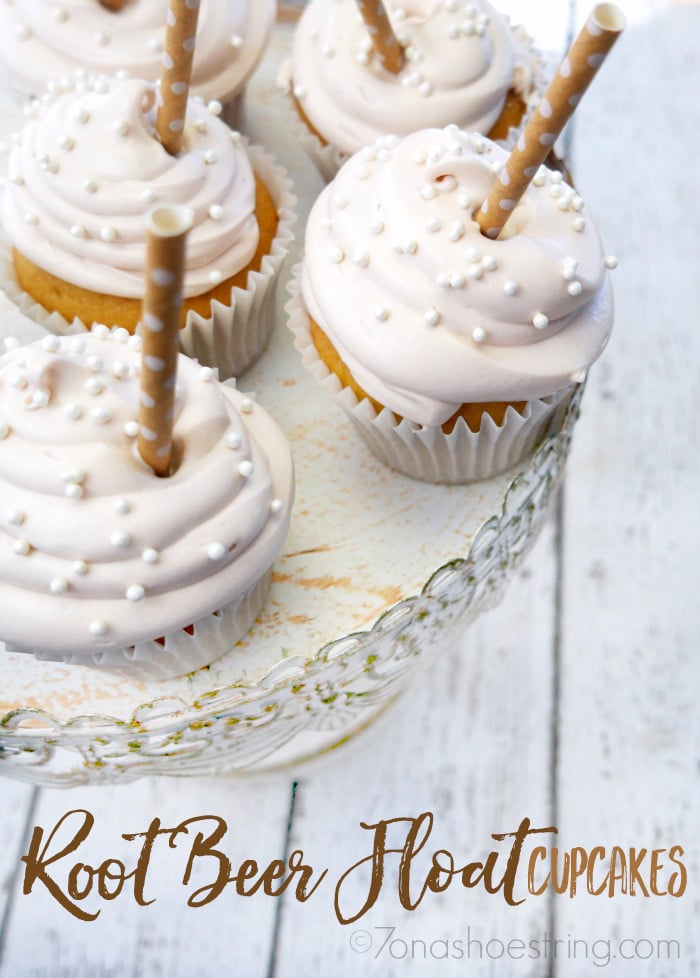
x,y
234,335
181,653
328,159
427,454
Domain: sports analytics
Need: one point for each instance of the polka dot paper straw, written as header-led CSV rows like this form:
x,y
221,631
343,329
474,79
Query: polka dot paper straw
x,y
167,229
576,73
180,36
381,33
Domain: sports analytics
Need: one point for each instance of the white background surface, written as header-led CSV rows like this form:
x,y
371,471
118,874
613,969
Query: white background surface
x,y
574,703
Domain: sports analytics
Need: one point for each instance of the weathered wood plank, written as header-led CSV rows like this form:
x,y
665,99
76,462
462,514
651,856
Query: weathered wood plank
x,y
471,743
630,729
17,803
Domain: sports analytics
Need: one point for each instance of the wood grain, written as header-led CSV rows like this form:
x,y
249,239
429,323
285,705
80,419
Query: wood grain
x,y
471,743
629,722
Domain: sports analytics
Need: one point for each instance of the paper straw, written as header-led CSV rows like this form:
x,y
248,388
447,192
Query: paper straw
x,y
167,229
113,5
576,73
178,54
381,33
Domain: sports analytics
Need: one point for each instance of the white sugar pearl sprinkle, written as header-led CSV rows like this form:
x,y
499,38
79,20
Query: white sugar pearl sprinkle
x,y
489,263
432,316
611,262
456,231
479,334
59,585
98,628
122,506
574,288
376,227
233,439
216,212
578,224
135,592
72,411
51,344
336,255
276,506
433,224
428,191
247,406
206,374
120,539
94,386
21,548
131,429
74,491
245,468
361,258
540,321
150,556
80,568
16,517
4,430
457,280
381,313
216,551
510,287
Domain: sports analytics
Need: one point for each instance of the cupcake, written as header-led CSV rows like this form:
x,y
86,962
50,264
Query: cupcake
x,y
465,65
103,563
42,42
449,351
82,175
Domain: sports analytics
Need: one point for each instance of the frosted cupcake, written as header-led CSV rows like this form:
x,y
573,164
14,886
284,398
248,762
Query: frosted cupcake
x,y
42,42
465,64
449,351
105,564
84,172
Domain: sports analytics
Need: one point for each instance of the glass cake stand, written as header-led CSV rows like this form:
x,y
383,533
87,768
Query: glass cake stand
x,y
378,576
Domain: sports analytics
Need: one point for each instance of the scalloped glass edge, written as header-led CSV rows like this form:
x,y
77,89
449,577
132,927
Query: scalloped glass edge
x,y
464,586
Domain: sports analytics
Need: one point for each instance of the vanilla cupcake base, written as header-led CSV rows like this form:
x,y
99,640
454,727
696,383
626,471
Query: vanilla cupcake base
x,y
428,454
234,335
179,652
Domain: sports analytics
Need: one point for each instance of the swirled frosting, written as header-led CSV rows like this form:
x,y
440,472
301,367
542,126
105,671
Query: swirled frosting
x,y
426,312
462,58
43,40
88,167
95,550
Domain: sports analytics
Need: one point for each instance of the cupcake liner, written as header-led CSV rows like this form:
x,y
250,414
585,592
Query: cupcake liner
x,y
213,636
234,335
328,159
427,453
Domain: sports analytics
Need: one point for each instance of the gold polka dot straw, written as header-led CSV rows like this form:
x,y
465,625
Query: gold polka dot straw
x,y
167,229
576,73
178,54
381,33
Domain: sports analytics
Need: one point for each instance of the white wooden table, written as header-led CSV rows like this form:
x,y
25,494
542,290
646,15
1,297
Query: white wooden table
x,y
574,704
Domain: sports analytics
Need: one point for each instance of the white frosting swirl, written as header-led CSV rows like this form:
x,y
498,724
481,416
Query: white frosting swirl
x,y
426,312
42,40
95,550
462,58
88,168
